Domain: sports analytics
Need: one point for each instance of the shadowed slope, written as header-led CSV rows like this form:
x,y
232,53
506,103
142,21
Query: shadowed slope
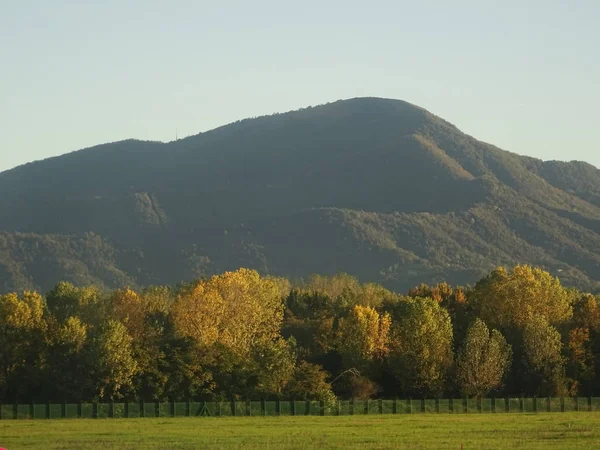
x,y
378,188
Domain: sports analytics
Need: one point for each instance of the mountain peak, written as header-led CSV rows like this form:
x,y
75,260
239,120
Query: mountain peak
x,y
376,187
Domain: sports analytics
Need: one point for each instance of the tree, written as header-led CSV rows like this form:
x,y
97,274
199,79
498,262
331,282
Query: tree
x,y
309,318
584,343
22,344
347,291
114,366
421,346
170,366
66,300
513,299
482,361
363,337
309,383
440,293
580,366
129,309
340,286
237,310
68,358
275,365
542,359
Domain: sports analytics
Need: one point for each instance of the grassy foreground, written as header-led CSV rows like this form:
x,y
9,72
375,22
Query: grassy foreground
x,y
502,431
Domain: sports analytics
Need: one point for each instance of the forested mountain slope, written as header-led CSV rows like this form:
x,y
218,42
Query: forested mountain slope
x,y
378,188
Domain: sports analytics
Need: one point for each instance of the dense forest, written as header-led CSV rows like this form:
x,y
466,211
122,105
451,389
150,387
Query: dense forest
x,y
239,335
377,188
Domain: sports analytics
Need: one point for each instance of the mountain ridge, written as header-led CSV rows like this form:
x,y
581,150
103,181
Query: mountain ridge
x,y
367,169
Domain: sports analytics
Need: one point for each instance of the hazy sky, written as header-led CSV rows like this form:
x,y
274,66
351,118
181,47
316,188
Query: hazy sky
x,y
523,75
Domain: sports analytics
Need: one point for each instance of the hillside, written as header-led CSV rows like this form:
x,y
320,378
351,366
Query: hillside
x,y
378,188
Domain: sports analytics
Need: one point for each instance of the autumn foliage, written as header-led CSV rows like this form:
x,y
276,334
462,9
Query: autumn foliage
x,y
242,335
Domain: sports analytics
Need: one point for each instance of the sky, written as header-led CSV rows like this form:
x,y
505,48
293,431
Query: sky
x,y
522,75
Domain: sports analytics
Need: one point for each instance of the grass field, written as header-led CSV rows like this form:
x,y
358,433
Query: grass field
x,y
503,431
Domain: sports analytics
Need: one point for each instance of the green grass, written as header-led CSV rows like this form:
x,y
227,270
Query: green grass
x,y
429,431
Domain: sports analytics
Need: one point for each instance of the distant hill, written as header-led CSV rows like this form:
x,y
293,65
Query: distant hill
x,y
378,188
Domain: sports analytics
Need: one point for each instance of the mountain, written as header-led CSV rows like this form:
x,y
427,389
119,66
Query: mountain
x,y
378,188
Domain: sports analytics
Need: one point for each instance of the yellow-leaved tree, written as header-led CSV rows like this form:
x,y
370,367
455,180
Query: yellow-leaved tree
x,y
514,298
363,336
237,310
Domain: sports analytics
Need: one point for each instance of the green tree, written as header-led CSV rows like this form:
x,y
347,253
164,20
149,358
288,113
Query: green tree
x,y
170,366
543,361
67,359
275,365
114,365
309,383
421,354
67,300
482,361
22,344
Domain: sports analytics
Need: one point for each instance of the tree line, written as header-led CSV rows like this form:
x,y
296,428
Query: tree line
x,y
240,335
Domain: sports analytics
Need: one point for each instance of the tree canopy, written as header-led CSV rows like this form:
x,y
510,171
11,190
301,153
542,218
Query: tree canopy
x,y
240,335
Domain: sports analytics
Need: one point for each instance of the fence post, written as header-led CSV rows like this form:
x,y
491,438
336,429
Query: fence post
x,y
366,407
380,406
32,410
156,409
577,404
522,404
507,404
79,410
111,410
307,408
142,408
422,405
562,404
233,408
451,406
437,405
410,408
126,410
337,407
293,407
63,410
493,404
535,408
172,408
351,407
549,404
322,406
16,410
278,407
248,407
263,407
94,410
395,407
466,405
47,410
589,403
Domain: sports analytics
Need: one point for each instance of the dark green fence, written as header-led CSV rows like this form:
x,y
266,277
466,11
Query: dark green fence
x,y
297,408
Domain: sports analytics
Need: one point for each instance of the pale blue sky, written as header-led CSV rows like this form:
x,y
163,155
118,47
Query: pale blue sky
x,y
523,75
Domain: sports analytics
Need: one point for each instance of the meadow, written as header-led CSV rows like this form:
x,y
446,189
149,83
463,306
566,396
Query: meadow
x,y
428,431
